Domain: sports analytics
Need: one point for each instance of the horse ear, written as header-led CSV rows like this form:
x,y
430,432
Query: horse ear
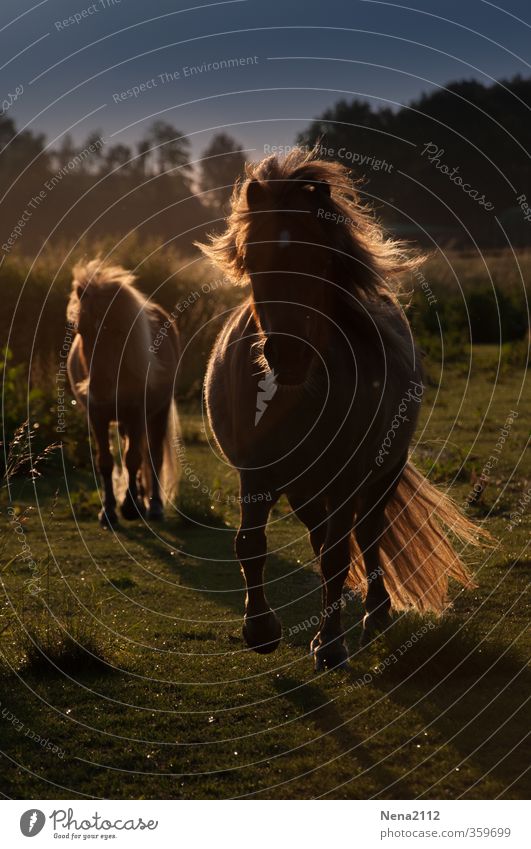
x,y
255,193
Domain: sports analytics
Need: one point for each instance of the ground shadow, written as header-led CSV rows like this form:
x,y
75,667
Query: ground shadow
x,y
471,693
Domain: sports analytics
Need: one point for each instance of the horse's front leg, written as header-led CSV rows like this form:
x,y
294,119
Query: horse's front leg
x,y
105,462
261,626
329,646
133,507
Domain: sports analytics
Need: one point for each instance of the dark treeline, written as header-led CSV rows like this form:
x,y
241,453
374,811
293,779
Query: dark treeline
x,y
442,168
451,161
151,189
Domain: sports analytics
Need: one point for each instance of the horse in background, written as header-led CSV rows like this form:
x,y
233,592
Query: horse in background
x,y
122,367
313,390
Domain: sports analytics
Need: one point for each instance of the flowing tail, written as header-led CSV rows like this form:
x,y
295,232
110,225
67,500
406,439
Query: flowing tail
x,y
416,552
170,472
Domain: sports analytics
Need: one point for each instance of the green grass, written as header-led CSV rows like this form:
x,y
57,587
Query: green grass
x,y
130,660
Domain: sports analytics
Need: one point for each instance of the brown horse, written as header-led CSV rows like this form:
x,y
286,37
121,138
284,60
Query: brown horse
x,y
122,367
313,391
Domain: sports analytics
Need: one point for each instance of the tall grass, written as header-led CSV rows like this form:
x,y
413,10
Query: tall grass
x,y
453,271
465,296
35,293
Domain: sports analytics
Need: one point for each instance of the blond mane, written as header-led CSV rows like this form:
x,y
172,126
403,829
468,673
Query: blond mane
x,y
135,316
367,267
96,273
380,260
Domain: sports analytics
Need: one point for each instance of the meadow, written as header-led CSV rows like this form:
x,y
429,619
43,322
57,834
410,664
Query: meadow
x,y
123,673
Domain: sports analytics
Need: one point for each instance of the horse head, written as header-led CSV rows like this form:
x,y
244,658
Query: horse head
x,y
311,251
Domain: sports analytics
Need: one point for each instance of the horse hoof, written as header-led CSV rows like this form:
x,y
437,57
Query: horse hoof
x,y
262,633
132,510
155,513
329,655
374,624
108,519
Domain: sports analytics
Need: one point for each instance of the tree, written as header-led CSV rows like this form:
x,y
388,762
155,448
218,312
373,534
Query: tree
x,y
18,150
92,153
221,163
118,156
171,147
64,154
143,150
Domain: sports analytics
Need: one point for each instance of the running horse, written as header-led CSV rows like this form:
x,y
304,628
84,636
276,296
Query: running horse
x,y
313,390
121,367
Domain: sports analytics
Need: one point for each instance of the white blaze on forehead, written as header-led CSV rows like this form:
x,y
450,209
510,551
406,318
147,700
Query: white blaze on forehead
x,y
284,238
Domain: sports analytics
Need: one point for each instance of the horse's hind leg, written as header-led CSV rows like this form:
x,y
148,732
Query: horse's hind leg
x,y
132,507
377,602
157,426
328,646
369,529
261,627
100,425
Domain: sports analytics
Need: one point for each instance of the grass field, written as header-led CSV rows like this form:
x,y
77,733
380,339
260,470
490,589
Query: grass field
x,y
126,676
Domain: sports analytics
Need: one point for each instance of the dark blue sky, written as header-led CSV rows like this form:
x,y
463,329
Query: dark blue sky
x,y
72,74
